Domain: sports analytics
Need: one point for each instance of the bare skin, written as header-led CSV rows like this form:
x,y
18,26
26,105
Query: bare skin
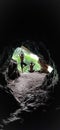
x,y
31,67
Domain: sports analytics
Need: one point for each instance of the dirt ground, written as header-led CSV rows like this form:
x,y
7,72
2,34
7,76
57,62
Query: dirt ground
x,y
26,83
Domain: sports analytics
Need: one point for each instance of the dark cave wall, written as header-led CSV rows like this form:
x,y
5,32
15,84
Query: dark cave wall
x,y
5,56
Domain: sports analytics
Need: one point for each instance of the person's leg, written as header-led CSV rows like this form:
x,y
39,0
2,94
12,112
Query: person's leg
x,y
24,64
22,67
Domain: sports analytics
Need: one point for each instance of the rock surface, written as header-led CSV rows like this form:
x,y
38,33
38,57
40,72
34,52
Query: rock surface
x,y
26,86
12,70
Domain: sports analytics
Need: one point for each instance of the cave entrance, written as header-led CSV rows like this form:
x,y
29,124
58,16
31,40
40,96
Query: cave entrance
x,y
29,58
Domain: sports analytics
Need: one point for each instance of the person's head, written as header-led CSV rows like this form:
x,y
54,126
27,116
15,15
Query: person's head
x,y
22,54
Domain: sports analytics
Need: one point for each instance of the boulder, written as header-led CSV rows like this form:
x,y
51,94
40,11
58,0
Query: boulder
x,y
12,70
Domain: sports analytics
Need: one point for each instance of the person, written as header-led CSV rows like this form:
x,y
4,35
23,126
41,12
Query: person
x,y
22,61
31,67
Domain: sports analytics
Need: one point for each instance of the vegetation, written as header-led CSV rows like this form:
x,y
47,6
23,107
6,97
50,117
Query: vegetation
x,y
28,58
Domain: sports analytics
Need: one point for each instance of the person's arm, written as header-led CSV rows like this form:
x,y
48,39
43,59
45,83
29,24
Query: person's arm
x,y
33,64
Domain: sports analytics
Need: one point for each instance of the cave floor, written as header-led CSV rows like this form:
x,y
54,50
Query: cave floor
x,y
26,84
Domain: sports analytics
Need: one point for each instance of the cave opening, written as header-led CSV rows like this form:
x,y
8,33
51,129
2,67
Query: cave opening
x,y
30,59
27,61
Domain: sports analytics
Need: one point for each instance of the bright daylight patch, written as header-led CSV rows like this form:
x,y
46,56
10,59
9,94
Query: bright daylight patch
x,y
50,69
34,56
28,58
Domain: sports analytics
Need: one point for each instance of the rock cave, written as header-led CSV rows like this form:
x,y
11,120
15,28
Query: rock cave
x,y
30,103
27,91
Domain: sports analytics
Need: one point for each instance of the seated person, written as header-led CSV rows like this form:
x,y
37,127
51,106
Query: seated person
x,y
31,67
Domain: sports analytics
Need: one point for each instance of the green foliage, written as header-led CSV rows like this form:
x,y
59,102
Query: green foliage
x,y
27,59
